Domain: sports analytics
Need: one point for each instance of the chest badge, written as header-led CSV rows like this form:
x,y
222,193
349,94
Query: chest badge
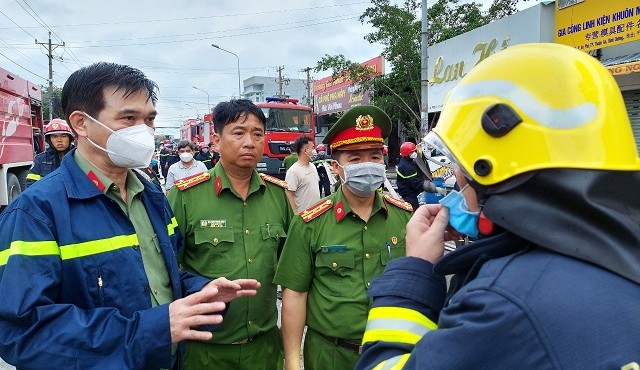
x,y
394,240
213,223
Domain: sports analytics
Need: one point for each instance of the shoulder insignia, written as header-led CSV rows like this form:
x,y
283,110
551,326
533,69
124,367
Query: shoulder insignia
x,y
95,180
316,210
273,180
192,180
398,203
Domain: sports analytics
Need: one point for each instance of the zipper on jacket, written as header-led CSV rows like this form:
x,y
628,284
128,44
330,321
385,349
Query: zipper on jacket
x,y
100,289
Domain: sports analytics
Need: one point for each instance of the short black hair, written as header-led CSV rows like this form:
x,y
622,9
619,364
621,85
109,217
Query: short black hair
x,y
300,142
186,143
230,111
84,88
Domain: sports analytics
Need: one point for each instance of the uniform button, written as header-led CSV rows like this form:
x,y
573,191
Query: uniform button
x,y
250,260
246,231
250,322
215,240
244,204
365,227
155,291
367,256
368,285
334,265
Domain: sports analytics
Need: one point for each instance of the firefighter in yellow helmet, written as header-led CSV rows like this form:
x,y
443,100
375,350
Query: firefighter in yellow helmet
x,y
548,172
59,136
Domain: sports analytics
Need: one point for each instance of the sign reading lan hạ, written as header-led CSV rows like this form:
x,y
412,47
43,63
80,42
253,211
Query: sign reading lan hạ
x,y
594,24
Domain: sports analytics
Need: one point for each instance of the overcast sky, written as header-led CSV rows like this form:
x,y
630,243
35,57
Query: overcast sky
x,y
171,42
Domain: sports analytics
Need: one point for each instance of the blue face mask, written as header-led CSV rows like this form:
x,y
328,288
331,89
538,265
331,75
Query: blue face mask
x,y
154,163
460,218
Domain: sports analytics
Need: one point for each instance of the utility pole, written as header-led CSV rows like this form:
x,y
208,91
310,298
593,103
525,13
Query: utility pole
x,y
424,72
308,70
281,81
51,47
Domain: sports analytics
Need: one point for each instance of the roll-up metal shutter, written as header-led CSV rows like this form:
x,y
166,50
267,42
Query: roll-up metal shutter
x,y
632,102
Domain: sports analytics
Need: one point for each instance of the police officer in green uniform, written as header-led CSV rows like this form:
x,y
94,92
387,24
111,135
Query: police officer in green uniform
x,y
336,247
234,221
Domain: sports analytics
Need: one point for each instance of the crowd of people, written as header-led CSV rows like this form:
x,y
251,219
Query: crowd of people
x,y
100,267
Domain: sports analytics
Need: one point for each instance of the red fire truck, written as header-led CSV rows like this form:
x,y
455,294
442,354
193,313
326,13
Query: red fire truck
x,y
193,130
286,121
21,132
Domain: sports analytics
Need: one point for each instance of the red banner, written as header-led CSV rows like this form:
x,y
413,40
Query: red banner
x,y
332,96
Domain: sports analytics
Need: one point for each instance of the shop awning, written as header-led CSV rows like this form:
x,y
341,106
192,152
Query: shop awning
x,y
623,64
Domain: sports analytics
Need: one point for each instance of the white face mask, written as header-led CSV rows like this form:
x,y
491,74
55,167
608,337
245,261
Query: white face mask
x,y
130,147
413,155
186,157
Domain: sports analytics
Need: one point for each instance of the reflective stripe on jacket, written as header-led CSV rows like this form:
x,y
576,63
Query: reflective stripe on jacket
x,y
43,164
74,290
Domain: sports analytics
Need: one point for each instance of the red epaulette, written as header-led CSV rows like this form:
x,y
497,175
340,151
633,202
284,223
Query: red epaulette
x,y
398,203
316,210
274,180
192,180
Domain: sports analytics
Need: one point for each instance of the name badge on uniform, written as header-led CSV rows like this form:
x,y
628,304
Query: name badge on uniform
x,y
333,249
213,223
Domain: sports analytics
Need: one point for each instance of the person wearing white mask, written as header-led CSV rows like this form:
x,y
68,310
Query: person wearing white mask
x,y
186,167
88,273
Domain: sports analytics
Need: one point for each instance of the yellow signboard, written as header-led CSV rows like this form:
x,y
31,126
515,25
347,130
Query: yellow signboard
x,y
594,24
625,69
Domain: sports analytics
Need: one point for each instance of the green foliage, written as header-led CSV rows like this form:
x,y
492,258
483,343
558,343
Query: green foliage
x,y
57,105
398,28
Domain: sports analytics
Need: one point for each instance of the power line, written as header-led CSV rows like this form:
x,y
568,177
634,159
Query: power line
x,y
306,21
27,32
203,17
21,53
35,74
211,38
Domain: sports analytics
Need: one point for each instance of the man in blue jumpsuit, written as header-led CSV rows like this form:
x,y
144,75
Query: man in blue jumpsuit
x,y
88,271
542,139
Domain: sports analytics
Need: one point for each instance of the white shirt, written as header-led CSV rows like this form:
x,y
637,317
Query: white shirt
x,y
178,171
304,182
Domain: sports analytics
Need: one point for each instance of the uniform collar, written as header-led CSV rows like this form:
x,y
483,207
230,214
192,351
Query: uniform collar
x,y
341,207
87,182
221,181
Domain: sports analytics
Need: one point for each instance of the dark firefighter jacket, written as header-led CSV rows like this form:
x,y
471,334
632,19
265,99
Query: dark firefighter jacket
x,y
559,289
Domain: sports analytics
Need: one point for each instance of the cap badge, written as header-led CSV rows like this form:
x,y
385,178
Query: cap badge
x,y
364,123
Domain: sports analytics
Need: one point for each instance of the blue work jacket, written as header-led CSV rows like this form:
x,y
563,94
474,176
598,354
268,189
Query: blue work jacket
x,y
43,164
74,292
514,306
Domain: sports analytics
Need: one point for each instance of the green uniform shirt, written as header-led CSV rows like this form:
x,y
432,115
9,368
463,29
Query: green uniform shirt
x,y
152,260
290,160
226,236
334,257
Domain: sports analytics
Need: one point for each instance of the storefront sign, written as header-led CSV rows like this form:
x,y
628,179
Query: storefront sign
x,y
625,69
452,59
594,24
340,94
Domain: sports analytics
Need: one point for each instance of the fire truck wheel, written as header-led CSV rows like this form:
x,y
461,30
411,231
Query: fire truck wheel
x,y
13,186
22,178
